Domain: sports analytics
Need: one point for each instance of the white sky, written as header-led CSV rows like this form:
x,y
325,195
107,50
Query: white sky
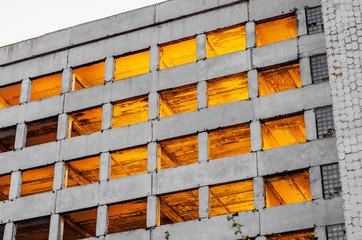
x,y
24,19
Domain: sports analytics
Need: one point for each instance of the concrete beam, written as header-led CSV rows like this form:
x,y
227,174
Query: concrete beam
x,y
56,227
201,46
152,212
25,91
153,106
202,95
59,176
15,185
63,126
152,156
107,116
204,202
9,231
253,84
105,166
203,147
102,220
315,179
255,135
310,125
20,137
250,34
258,188
109,69
305,72
67,79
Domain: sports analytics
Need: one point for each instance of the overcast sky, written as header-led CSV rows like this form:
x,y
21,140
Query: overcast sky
x,y
24,19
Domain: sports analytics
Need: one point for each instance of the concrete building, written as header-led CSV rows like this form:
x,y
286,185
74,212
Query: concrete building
x,y
172,117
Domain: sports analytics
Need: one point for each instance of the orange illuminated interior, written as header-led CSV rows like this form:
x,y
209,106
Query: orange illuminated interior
x,y
80,224
229,141
178,151
287,189
132,65
179,207
231,198
46,87
7,139
10,95
88,76
37,180
177,53
81,172
130,111
127,216
227,89
276,30
283,132
41,131
128,162
85,121
224,41
178,100
33,229
5,187
278,79
297,235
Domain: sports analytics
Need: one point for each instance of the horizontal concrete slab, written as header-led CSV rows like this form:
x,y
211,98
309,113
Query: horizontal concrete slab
x,y
10,116
310,45
84,98
140,234
47,107
297,156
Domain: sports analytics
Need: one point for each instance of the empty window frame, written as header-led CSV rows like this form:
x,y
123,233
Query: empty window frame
x,y
7,139
336,232
85,122
229,141
46,86
130,111
33,229
128,162
226,40
127,216
324,121
231,198
332,186
227,89
80,224
296,235
38,180
41,131
276,30
319,68
177,53
2,227
283,132
4,186
287,189
279,78
88,76
178,100
314,20
178,151
132,64
82,171
179,207
10,95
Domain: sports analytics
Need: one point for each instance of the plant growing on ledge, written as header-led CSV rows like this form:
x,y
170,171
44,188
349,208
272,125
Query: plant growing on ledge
x,y
237,226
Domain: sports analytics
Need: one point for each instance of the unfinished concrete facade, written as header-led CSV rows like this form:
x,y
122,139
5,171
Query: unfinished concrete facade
x,y
174,116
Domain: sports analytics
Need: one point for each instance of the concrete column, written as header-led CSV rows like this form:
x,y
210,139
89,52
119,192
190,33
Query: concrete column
x,y
20,136
59,176
305,72
250,34
204,202
152,211
253,86
67,78
302,22
201,95
255,136
320,233
153,106
315,179
9,231
203,147
56,227
25,91
105,167
15,185
310,125
258,186
107,116
109,69
201,46
152,156
154,58
102,220
63,126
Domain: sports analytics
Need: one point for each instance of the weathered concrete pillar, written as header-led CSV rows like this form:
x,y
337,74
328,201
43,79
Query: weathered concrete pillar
x,y
305,73
56,227
107,116
315,179
302,22
25,91
204,202
250,34
153,105
152,211
67,78
63,126
253,87
259,201
20,136
59,176
203,147
105,167
9,231
320,233
310,125
109,69
342,21
255,136
201,95
154,58
102,220
15,185
201,46
152,156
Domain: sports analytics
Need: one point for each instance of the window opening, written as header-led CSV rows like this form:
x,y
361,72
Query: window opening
x,y
38,180
10,95
325,124
88,76
5,187
132,64
319,67
41,131
7,139
33,229
85,122
80,224
332,186
314,20
82,171
130,111
47,86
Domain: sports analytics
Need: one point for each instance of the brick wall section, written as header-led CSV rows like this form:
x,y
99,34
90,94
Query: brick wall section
x,y
343,29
